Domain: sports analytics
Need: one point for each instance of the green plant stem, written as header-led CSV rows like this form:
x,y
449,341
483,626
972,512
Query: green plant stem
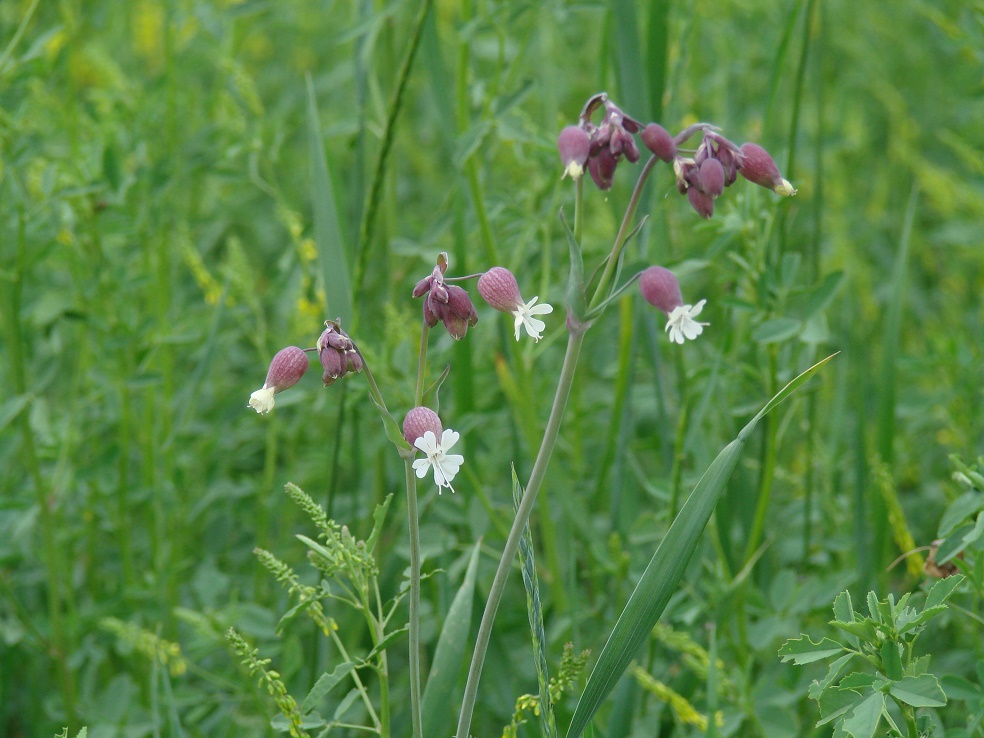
x,y
44,497
414,634
578,208
418,395
564,383
623,232
359,686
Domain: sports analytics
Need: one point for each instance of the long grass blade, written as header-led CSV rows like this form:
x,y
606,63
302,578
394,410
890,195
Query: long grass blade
x,y
332,252
449,655
659,581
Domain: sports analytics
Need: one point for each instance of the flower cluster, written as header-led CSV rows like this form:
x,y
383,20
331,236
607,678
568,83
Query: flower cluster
x,y
702,174
338,354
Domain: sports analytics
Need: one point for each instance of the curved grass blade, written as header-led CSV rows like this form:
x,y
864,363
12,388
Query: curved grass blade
x,y
449,655
659,581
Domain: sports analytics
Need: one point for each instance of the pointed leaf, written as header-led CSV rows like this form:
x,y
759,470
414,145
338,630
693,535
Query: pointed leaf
x,y
777,329
843,609
378,518
575,280
892,659
942,590
835,703
431,397
960,509
805,651
863,720
326,682
833,674
449,655
666,568
922,691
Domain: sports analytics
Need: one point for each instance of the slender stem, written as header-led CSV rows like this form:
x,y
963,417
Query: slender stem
x,y
564,383
359,686
623,232
418,396
578,208
414,597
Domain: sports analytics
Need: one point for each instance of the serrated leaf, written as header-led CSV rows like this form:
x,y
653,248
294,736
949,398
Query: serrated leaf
x,y
859,681
833,674
835,703
863,629
326,682
942,590
777,329
843,608
863,720
804,651
922,691
449,654
960,510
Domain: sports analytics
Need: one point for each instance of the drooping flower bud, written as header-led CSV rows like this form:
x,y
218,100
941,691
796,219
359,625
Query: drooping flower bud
x,y
419,421
756,165
446,303
337,353
659,141
701,202
711,177
574,146
286,370
498,287
602,168
660,288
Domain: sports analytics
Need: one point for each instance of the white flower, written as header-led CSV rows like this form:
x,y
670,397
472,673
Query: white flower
x,y
262,400
524,318
682,325
445,465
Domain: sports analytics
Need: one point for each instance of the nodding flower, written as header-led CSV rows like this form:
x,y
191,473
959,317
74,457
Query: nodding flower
x,y
661,289
449,304
500,290
286,370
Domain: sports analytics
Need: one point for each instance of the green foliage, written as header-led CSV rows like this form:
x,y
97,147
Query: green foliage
x,y
876,664
186,186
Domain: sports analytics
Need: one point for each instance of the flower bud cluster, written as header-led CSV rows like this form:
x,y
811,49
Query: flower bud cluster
x,y
336,351
702,174
446,303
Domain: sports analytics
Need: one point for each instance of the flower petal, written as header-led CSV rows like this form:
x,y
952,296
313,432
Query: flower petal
x,y
262,400
420,466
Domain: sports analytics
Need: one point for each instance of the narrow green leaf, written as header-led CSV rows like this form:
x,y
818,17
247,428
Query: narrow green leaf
x,y
843,608
432,397
436,717
823,293
378,518
332,251
391,638
833,674
892,660
942,590
804,651
666,568
394,434
863,720
326,682
923,691
777,329
959,510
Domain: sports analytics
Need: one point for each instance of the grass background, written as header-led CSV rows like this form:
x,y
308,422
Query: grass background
x,y
158,245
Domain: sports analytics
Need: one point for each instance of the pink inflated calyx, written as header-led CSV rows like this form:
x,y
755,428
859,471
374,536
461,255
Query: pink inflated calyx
x,y
498,287
286,369
660,288
419,421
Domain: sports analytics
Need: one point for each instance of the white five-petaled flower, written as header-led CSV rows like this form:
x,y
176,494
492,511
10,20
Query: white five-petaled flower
x,y
262,400
681,324
445,465
524,318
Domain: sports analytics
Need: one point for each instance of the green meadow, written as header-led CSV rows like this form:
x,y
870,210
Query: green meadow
x,y
774,529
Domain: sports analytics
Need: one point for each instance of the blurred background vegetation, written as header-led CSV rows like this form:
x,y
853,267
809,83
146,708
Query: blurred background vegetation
x,y
158,246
